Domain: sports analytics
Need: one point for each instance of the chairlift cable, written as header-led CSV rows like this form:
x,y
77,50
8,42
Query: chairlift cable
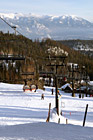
x,y
10,25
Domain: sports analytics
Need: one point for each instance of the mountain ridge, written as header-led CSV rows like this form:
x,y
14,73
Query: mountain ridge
x,y
48,26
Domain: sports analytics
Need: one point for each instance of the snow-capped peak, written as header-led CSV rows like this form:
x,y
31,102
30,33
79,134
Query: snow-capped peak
x,y
51,17
11,15
17,15
74,17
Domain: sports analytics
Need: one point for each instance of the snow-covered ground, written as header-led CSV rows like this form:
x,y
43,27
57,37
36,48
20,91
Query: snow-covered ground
x,y
23,115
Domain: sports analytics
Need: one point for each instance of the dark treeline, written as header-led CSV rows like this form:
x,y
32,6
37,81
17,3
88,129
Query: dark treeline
x,y
34,51
73,43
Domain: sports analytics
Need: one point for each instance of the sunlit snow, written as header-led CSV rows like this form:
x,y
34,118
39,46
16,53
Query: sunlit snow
x,y
23,115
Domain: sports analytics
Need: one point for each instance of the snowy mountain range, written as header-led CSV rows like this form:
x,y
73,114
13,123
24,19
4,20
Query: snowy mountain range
x,y
54,27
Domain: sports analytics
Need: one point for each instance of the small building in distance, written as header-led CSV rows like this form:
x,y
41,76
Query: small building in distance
x,y
67,88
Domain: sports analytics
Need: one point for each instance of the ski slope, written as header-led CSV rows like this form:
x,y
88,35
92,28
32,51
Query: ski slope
x,y
23,115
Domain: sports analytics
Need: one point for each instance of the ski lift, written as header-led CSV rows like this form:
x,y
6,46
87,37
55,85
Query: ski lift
x,y
31,88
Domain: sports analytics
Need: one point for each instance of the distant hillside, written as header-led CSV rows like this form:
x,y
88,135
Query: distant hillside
x,y
84,46
34,52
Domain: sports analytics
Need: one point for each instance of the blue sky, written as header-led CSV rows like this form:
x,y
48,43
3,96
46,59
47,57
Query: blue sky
x,y
81,8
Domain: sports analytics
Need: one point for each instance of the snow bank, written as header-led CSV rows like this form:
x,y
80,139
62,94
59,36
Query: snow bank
x,y
45,131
